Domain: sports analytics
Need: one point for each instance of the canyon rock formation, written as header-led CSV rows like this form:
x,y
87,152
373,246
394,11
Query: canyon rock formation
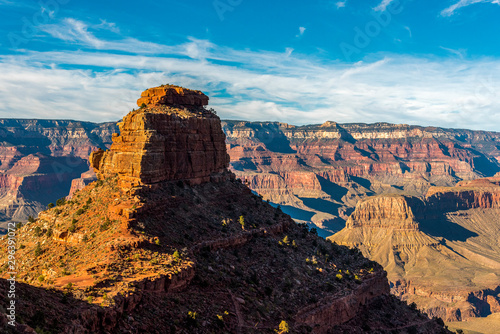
x,y
441,252
151,248
317,173
174,138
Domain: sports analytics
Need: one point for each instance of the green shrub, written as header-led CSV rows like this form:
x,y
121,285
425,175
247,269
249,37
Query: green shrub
x,y
51,205
72,228
80,211
37,231
50,232
61,201
31,219
176,255
104,226
38,250
242,222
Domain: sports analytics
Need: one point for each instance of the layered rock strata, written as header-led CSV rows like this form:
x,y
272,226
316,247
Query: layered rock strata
x,y
347,162
172,138
440,252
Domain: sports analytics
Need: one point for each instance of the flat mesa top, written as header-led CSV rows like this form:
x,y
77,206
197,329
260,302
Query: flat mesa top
x,y
172,95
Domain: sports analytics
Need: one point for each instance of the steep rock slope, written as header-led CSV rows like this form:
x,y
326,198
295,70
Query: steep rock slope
x,y
38,160
319,172
441,252
159,251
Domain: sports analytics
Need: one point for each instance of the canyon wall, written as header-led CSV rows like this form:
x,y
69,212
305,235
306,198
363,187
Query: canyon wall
x,y
441,252
40,158
317,173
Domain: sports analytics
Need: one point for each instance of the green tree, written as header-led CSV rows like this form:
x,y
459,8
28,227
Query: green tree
x,y
242,222
38,250
51,205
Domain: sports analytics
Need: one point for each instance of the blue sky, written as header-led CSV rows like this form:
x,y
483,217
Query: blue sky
x,y
400,61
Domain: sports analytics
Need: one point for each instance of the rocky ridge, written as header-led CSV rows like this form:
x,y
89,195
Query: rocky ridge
x,y
144,254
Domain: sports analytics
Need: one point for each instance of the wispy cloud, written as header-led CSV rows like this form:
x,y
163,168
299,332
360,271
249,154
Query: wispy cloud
x,y
302,30
464,3
461,53
254,85
72,30
409,31
383,5
340,4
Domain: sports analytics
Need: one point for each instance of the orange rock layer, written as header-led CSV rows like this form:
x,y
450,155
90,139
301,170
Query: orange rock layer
x,y
172,95
163,143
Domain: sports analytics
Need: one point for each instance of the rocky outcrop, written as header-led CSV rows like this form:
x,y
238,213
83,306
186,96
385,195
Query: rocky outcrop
x,y
469,195
386,212
163,143
80,183
173,96
336,310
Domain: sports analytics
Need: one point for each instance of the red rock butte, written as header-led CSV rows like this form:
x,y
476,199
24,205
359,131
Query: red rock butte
x,y
173,96
173,138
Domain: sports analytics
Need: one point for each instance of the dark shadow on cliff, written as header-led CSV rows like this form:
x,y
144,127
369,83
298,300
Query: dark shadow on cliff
x,y
321,205
439,226
485,166
272,137
41,309
332,189
55,179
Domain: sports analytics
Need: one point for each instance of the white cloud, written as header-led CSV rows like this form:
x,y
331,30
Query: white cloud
x,y
72,30
409,31
245,84
464,3
301,32
341,4
383,5
461,53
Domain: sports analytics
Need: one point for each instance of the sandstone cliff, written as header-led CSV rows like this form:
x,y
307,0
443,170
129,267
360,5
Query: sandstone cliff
x,y
162,143
184,250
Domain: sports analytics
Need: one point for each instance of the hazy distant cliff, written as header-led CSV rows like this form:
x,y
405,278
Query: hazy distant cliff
x,y
40,158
